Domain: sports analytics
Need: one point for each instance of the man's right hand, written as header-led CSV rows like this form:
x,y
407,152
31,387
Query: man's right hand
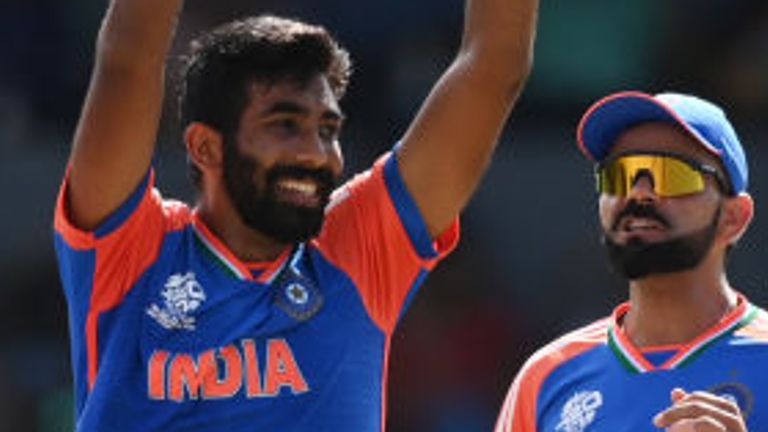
x,y
700,411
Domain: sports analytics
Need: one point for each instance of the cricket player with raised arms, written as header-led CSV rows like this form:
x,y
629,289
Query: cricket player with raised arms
x,y
269,303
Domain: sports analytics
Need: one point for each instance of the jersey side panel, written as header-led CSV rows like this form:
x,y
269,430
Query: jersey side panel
x,y
75,270
99,267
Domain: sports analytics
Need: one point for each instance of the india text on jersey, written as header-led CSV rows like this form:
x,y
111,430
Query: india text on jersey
x,y
225,372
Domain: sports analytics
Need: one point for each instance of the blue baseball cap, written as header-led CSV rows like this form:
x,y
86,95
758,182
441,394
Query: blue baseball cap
x,y
706,122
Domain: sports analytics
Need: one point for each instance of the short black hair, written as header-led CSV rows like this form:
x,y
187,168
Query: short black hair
x,y
222,63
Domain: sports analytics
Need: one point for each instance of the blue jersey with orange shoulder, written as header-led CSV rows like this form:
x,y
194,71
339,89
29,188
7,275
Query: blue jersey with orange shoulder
x,y
595,379
170,331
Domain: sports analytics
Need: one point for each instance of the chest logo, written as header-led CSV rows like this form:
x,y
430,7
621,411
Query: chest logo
x,y
580,411
297,294
182,296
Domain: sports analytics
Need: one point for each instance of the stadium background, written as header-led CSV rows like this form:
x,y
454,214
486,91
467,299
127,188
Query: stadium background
x,y
530,264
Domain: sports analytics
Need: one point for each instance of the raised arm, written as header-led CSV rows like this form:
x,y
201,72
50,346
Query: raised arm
x,y
116,133
448,146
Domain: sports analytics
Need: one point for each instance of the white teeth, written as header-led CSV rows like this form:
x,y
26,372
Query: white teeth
x,y
641,224
303,187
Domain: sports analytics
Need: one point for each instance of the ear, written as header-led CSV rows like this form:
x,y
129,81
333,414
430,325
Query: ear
x,y
204,146
736,216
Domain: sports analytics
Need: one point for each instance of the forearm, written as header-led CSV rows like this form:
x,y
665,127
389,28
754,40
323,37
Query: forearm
x,y
138,33
446,150
498,39
115,137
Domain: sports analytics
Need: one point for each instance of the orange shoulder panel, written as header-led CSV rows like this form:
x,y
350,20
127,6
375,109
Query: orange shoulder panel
x,y
364,236
518,414
122,254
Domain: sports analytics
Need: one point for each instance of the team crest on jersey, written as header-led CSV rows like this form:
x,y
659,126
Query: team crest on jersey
x,y
299,298
297,294
182,296
294,292
580,411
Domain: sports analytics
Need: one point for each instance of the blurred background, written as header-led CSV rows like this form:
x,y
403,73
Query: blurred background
x,y
530,265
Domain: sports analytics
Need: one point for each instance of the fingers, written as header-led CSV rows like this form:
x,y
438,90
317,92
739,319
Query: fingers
x,y
700,412
706,424
678,394
725,404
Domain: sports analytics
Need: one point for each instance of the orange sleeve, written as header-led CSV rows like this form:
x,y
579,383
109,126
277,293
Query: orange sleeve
x,y
520,410
125,244
99,267
518,414
376,235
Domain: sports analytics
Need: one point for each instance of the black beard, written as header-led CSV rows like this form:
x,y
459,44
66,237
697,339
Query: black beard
x,y
261,210
638,258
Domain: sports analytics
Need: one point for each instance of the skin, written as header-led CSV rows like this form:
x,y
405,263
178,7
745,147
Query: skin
x,y
674,308
284,124
443,154
700,412
110,155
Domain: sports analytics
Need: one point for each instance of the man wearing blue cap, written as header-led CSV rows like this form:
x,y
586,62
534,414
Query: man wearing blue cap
x,y
687,351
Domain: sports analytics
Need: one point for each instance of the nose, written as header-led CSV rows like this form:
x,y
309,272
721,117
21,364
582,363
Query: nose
x,y
311,151
315,152
642,188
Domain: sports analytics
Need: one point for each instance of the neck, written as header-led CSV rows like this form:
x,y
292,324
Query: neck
x,y
675,308
247,244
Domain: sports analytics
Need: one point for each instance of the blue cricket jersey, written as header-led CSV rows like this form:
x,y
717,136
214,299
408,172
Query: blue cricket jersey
x,y
595,379
171,332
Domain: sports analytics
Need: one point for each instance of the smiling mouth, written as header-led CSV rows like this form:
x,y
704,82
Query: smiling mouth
x,y
299,192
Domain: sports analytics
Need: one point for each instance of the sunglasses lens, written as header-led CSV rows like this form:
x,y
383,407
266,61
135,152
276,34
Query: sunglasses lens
x,y
610,179
671,176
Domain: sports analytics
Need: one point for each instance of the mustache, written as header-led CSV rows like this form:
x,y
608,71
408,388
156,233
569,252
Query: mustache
x,y
325,178
639,210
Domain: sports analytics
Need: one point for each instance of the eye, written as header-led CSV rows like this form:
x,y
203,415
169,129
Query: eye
x,y
283,126
329,132
286,125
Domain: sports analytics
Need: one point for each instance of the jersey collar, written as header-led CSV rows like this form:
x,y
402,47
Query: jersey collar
x,y
233,265
632,357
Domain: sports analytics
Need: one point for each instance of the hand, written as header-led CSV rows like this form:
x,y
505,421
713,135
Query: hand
x,y
700,412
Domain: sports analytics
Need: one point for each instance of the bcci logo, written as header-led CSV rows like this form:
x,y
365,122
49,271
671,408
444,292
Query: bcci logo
x,y
297,294
182,296
298,297
579,412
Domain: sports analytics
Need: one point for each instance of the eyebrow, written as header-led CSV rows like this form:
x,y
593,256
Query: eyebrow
x,y
288,107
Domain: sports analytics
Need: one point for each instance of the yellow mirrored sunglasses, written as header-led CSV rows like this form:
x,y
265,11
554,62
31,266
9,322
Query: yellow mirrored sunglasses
x,y
672,175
